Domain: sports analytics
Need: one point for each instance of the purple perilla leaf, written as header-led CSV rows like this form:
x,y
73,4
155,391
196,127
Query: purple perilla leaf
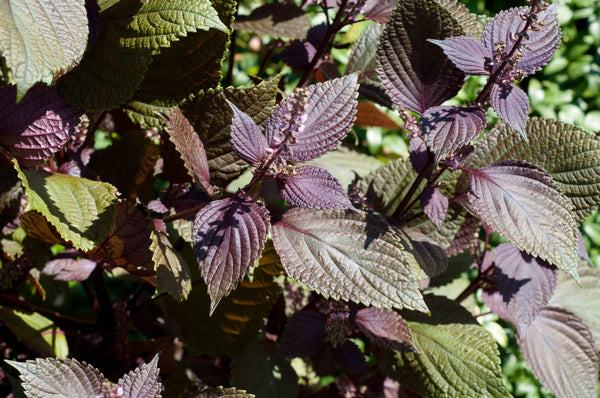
x,y
525,284
303,335
38,126
299,53
467,53
448,128
228,236
385,327
538,46
314,187
379,10
512,105
435,205
417,152
247,140
143,381
350,358
315,121
66,267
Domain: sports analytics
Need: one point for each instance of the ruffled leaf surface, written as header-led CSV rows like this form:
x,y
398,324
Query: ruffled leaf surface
x,y
81,210
468,21
569,154
211,117
448,128
190,148
582,299
36,127
229,235
348,256
247,140
385,327
276,19
455,356
521,202
467,53
41,38
172,271
61,378
303,335
313,187
142,382
561,352
330,112
69,269
525,283
435,205
512,105
414,72
158,23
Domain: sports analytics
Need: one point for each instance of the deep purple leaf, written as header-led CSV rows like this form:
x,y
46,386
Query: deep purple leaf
x,y
448,128
314,187
247,140
467,53
69,268
512,105
350,358
38,126
379,10
385,327
330,111
465,236
414,72
417,152
522,202
303,335
493,299
142,382
190,148
540,45
434,205
298,54
525,283
561,352
228,236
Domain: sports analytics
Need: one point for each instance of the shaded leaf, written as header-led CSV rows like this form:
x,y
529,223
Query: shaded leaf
x,y
38,126
362,56
216,392
229,235
347,256
172,271
418,155
158,23
276,19
142,382
582,299
435,205
512,105
127,243
299,53
69,269
493,298
38,42
247,140
259,369
368,115
344,164
424,250
448,128
467,21
303,335
456,357
525,283
466,235
385,327
36,331
561,352
330,112
414,72
467,53
36,226
210,116
313,187
81,210
61,378
521,202
350,358
190,148
569,154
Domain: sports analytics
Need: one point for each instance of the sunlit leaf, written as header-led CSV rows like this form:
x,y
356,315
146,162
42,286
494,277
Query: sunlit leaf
x,y
37,41
385,327
569,154
69,268
468,22
379,10
414,72
435,205
467,53
344,164
561,352
247,140
36,127
312,187
172,271
348,256
229,235
142,382
512,105
521,202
